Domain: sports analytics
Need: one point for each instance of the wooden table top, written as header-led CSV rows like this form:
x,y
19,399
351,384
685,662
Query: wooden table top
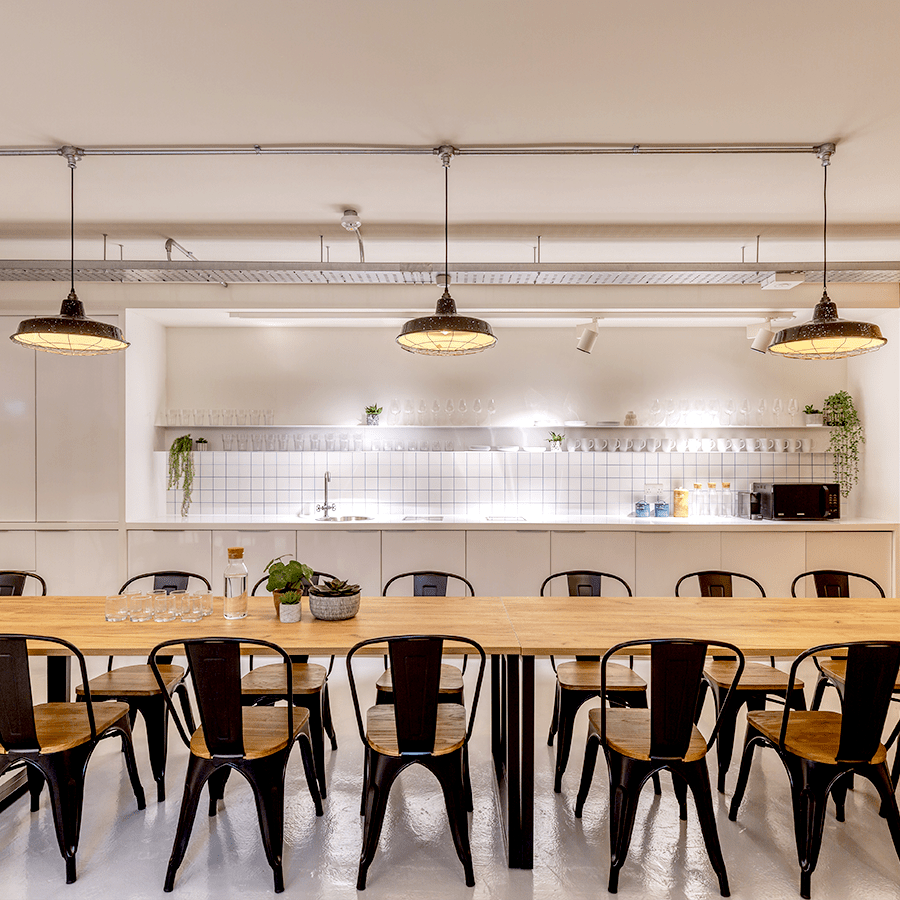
x,y
760,626
81,621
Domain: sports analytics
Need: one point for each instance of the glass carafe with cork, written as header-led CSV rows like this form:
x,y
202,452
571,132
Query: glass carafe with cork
x,y
235,584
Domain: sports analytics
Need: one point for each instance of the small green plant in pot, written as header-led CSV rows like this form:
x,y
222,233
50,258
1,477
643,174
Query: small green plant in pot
x,y
334,600
289,607
372,414
847,434
290,576
181,470
811,415
556,440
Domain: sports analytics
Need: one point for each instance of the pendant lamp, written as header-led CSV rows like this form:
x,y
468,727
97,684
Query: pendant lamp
x,y
70,333
446,333
826,335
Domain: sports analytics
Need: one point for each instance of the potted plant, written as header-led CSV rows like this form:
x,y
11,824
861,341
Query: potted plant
x,y
289,606
334,600
812,415
202,444
556,440
181,469
292,576
372,414
847,434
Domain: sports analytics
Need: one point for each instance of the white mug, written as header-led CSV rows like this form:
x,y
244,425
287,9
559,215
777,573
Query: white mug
x,y
772,445
654,445
806,445
601,444
707,444
640,444
682,445
615,444
693,445
587,445
795,446
576,445
751,445
629,444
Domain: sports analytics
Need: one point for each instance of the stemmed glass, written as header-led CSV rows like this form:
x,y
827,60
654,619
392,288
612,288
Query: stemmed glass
x,y
476,411
712,412
729,412
436,412
777,410
761,412
684,409
449,410
409,416
656,413
793,409
462,408
744,417
395,411
423,413
671,413
492,409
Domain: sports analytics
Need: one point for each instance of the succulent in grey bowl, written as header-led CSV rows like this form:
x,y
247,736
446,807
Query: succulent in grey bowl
x,y
334,600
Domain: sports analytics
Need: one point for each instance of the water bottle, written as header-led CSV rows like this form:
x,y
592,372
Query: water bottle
x,y
235,584
727,500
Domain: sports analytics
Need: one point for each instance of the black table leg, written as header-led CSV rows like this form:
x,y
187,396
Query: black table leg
x,y
59,679
526,834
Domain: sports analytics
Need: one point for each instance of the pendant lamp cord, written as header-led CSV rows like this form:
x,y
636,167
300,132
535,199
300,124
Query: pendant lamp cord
x,y
824,229
446,225
72,224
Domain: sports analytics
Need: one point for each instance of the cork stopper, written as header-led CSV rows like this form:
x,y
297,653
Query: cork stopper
x,y
726,485
696,485
711,485
235,552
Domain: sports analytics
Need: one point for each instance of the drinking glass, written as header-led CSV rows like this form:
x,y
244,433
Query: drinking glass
x,y
215,417
395,411
200,417
206,604
314,442
462,410
187,417
240,416
729,412
409,416
712,412
476,411
283,441
656,413
270,441
448,408
269,415
177,599
492,410
163,607
255,416
744,415
257,440
423,413
684,411
229,416
793,409
671,413
298,441
140,606
116,608
777,409
329,442
761,412
357,442
436,412
192,607
344,441
435,446
228,441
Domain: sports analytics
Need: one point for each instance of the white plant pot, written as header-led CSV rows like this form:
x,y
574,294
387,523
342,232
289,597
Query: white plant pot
x,y
813,419
289,612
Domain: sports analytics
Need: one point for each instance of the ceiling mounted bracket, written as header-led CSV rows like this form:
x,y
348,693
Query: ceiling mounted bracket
x,y
825,152
73,155
446,153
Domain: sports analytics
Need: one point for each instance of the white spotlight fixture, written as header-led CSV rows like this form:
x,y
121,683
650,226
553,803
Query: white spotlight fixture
x,y
763,338
588,337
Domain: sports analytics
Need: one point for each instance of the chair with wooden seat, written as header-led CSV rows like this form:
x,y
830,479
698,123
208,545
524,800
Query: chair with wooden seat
x,y
758,683
12,583
429,584
254,741
831,583
54,741
640,742
579,681
419,727
821,750
136,686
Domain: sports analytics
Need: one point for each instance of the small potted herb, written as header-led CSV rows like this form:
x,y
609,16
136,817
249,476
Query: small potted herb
x,y
292,576
334,600
289,607
202,444
812,415
556,440
181,469
372,414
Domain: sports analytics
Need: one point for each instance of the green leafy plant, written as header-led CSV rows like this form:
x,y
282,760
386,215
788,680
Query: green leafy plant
x,y
556,438
373,410
847,434
181,469
287,576
810,410
334,588
290,598
202,441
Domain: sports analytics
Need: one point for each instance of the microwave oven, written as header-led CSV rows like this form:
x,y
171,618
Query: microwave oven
x,y
792,501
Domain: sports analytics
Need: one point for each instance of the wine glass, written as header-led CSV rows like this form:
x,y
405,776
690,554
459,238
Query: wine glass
x,y
793,409
449,410
436,412
462,409
395,412
656,413
492,410
409,414
423,412
761,412
684,409
712,412
476,410
729,412
777,409
744,415
671,413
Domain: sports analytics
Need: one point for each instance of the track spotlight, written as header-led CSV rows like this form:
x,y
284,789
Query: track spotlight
x,y
588,337
763,338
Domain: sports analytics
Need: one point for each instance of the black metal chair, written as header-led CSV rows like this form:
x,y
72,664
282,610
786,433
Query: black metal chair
x,y
254,741
821,750
428,584
579,681
418,728
55,740
758,682
136,686
640,742
305,681
12,583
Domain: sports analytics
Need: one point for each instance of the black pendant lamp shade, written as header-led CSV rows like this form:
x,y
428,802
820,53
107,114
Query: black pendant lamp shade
x,y
446,333
70,333
826,335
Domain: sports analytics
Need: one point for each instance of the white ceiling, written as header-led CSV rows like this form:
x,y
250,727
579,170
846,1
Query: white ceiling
x,y
471,73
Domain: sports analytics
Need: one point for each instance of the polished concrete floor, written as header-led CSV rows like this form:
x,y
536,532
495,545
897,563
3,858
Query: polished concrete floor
x,y
123,852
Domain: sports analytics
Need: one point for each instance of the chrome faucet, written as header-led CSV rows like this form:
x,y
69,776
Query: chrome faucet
x,y
326,506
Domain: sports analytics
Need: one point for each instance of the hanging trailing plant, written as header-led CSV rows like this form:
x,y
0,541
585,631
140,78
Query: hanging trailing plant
x,y
846,435
181,469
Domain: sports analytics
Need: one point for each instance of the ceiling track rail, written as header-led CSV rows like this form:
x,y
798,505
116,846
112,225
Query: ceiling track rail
x,y
375,150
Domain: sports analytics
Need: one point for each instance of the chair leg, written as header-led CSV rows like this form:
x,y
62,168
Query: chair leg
x,y
638,700
365,781
727,727
587,772
382,772
569,704
809,794
701,698
554,719
198,771
697,776
327,724
309,769
467,781
65,782
217,781
266,777
625,779
182,692
313,703
878,775
123,728
448,770
819,692
155,712
35,786
752,738
679,786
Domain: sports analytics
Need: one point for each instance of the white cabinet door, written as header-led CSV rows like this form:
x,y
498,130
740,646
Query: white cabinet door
x,y
79,417
507,563
867,552
79,562
411,551
17,551
602,551
772,559
183,551
663,557
354,556
259,548
17,396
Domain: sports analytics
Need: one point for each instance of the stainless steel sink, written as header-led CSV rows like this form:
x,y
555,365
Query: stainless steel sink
x,y
353,518
504,518
423,518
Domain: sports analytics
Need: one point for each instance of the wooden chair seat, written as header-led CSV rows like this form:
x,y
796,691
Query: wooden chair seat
x,y
836,669
451,681
450,734
132,681
62,726
811,734
755,677
628,733
306,678
264,728
585,676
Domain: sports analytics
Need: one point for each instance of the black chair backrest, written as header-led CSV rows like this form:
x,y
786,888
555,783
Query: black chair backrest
x,y
416,667
215,666
833,582
12,583
429,584
168,581
715,583
306,582
676,668
18,732
869,682
585,582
